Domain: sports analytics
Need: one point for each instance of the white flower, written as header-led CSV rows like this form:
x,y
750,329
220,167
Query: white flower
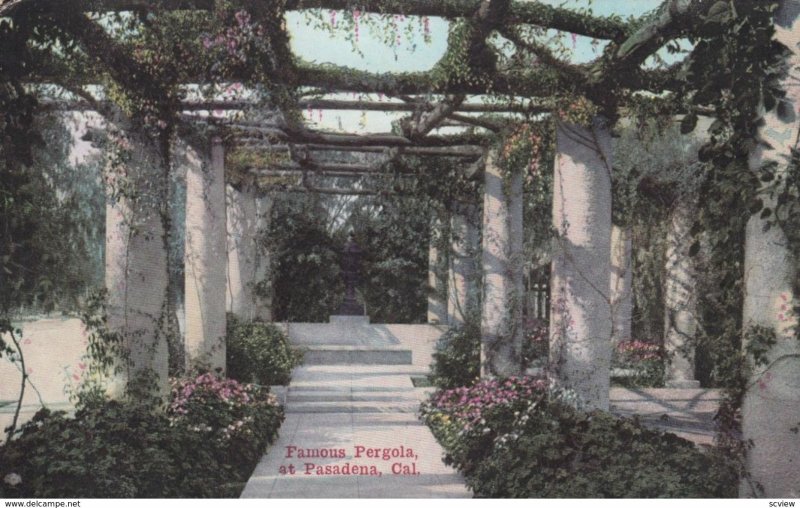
x,y
13,479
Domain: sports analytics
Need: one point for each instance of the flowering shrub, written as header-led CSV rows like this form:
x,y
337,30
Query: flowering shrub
x,y
536,340
205,444
645,360
515,438
233,415
466,420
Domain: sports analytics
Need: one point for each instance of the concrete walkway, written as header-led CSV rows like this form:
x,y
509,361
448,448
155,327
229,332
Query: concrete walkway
x,y
345,417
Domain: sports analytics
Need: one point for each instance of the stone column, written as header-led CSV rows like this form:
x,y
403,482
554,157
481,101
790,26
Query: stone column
x,y
580,317
263,263
205,258
437,286
247,216
136,268
462,294
771,406
621,282
503,283
680,298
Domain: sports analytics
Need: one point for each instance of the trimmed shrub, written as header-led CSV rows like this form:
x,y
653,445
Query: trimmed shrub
x,y
511,438
259,352
457,358
205,445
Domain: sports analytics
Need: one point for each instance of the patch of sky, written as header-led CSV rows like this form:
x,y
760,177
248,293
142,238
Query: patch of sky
x,y
396,44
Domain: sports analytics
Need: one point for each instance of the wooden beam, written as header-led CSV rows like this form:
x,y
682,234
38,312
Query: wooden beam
x,y
519,12
323,104
334,191
304,136
465,151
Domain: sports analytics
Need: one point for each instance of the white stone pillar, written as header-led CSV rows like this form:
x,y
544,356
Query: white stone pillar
x,y
263,264
205,260
136,268
680,299
437,286
503,283
621,282
247,260
462,287
580,317
771,406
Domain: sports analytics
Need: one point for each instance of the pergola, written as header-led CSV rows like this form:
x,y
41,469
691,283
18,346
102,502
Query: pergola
x,y
581,101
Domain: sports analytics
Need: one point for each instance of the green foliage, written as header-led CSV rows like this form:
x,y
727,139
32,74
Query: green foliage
x,y
464,63
238,419
643,362
521,444
105,352
561,452
305,261
259,352
457,358
394,234
49,235
114,450
536,341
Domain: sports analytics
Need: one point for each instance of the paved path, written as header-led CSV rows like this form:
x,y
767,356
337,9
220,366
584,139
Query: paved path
x,y
687,412
347,410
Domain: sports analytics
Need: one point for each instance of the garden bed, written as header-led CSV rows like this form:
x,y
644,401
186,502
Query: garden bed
x,y
204,444
516,438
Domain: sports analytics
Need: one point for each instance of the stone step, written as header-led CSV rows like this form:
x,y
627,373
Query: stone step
x,y
343,355
349,320
310,388
350,396
352,407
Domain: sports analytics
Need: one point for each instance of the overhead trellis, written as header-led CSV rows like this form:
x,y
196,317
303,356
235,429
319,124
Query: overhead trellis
x,y
147,74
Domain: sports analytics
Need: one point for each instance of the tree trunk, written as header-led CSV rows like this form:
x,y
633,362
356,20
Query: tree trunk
x,y
136,270
771,405
205,256
680,298
580,317
503,282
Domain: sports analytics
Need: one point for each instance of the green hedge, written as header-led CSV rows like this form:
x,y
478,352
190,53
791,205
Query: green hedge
x,y
259,352
457,358
512,439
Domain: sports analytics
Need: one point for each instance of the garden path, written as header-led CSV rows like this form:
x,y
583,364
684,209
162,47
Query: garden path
x,y
354,408
354,393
